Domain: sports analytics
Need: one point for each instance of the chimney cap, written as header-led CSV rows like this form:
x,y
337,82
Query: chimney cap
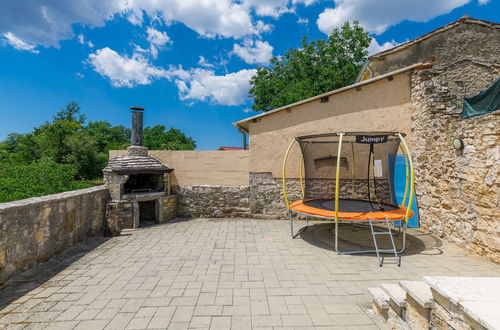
x,y
137,108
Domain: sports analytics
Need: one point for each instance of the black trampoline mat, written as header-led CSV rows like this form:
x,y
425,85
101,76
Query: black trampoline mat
x,y
349,205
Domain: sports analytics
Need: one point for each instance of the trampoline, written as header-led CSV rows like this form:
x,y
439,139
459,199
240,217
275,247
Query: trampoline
x,y
349,177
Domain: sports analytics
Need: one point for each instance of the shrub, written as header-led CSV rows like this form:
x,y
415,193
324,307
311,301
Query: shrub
x,y
42,177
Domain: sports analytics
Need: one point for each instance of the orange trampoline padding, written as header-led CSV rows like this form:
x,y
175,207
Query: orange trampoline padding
x,y
397,214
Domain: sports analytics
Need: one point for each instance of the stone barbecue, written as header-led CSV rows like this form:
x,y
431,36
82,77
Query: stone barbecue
x,y
139,185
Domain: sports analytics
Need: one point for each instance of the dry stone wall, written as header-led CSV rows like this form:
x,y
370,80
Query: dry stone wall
x,y
35,229
212,201
458,190
266,195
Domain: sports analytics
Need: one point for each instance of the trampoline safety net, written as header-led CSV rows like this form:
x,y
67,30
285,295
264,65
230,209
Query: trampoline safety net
x,y
366,171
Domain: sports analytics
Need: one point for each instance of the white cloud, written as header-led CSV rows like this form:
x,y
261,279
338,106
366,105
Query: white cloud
x,y
205,85
82,41
302,20
46,22
378,16
304,2
19,44
375,47
158,40
209,18
483,2
195,84
202,61
274,8
254,51
124,71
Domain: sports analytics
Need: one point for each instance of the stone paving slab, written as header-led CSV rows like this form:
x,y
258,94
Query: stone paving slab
x,y
220,274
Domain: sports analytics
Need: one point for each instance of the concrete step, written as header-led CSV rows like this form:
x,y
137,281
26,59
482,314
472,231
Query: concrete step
x,y
379,297
395,293
419,291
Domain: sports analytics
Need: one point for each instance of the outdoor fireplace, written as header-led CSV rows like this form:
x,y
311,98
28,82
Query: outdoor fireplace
x,y
139,184
144,183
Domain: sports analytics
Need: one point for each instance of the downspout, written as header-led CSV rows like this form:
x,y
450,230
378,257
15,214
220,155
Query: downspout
x,y
244,134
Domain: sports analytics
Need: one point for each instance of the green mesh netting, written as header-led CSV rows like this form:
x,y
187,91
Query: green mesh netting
x,y
485,102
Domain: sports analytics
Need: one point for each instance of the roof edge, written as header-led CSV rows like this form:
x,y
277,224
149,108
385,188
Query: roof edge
x,y
336,91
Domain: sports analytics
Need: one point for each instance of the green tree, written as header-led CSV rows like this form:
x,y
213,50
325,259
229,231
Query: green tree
x,y
317,67
108,137
71,112
84,155
159,138
51,139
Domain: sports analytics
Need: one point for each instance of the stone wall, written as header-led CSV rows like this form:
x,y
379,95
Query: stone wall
x,y
470,39
212,201
458,190
35,229
266,195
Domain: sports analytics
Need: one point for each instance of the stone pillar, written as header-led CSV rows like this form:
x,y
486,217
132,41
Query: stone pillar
x,y
135,215
115,185
167,208
166,182
115,213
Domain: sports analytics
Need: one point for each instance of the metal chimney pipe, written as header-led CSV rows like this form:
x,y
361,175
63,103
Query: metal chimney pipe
x,y
137,115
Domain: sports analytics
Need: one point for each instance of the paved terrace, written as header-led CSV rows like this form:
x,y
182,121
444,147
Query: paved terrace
x,y
219,274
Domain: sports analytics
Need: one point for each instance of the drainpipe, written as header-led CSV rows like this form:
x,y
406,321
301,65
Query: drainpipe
x,y
245,146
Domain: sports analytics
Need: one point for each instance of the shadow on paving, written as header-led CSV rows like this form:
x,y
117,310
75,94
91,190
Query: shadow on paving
x,y
351,237
24,282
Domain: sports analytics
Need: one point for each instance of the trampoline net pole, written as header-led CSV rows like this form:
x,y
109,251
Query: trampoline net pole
x,y
353,171
301,173
337,191
284,174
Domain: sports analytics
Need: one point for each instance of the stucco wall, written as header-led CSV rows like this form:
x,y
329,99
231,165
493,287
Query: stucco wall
x,y
379,106
216,168
35,229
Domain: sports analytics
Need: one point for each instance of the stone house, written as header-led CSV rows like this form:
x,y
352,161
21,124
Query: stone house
x,y
416,88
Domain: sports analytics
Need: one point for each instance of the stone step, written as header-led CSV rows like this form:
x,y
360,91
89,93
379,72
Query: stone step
x,y
419,291
380,298
395,293
478,298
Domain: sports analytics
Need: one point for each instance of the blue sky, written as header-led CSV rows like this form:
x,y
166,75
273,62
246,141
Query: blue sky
x,y
186,61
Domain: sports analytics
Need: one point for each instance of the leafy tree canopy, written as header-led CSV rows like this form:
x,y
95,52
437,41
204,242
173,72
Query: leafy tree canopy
x,y
39,178
158,137
317,67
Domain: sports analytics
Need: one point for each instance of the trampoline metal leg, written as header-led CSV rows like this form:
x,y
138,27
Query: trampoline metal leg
x,y
300,231
377,250
337,236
